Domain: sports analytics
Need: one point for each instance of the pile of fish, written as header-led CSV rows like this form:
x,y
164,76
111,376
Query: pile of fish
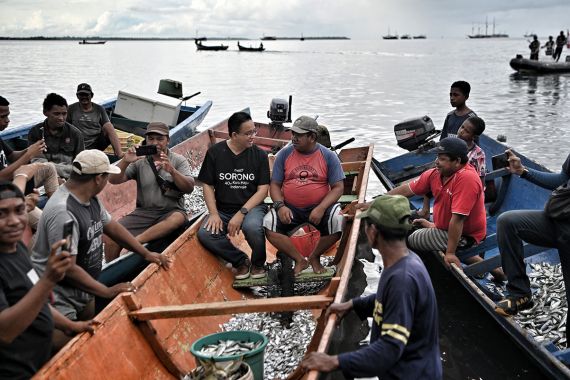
x,y
229,348
286,346
194,202
230,370
546,320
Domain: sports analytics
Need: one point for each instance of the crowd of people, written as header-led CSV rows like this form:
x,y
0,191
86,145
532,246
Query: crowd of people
x,y
552,48
47,289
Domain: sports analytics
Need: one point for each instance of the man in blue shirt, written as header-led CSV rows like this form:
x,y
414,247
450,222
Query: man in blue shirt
x,y
404,341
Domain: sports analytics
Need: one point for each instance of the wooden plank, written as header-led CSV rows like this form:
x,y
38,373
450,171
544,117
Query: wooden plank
x,y
232,307
149,333
304,277
495,261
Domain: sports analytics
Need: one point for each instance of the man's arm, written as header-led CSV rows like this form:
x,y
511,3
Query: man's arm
x,y
257,198
275,191
404,190
129,157
79,278
214,223
183,182
125,239
20,158
110,132
453,235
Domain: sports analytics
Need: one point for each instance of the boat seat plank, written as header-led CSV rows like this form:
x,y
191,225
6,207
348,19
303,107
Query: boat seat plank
x,y
490,242
264,305
344,199
256,139
495,261
268,280
497,174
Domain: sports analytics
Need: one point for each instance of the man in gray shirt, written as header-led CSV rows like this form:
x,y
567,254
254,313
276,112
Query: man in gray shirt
x,y
162,180
92,120
76,201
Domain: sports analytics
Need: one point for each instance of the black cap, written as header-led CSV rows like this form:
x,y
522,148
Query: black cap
x,y
84,88
452,145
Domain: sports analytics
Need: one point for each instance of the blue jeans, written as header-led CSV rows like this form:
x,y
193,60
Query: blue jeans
x,y
534,227
252,228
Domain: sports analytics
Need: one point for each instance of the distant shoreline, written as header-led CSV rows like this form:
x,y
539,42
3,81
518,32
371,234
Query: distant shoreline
x,y
97,38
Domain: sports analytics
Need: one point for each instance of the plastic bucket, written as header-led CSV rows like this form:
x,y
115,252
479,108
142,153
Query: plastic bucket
x,y
253,358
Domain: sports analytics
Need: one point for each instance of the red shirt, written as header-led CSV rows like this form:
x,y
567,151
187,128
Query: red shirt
x,y
462,194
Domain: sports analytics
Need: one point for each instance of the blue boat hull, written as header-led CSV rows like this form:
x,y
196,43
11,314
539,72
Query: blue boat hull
x,y
513,194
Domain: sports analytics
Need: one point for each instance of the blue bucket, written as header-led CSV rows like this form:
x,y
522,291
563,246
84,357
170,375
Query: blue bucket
x,y
254,358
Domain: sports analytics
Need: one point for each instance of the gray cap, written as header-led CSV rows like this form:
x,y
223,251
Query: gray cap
x,y
452,145
305,124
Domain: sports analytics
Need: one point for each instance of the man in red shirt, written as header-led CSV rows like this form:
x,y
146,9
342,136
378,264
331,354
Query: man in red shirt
x,y
459,219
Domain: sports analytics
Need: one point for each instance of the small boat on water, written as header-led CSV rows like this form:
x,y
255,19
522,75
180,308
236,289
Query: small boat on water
x,y
197,295
420,37
405,37
200,46
87,42
531,66
260,48
511,193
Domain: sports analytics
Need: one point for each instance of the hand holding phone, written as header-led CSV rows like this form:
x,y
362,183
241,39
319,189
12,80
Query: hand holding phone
x,y
146,150
67,235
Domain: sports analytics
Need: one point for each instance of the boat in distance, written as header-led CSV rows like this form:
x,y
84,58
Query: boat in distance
x,y
200,46
87,42
197,295
531,66
511,193
260,48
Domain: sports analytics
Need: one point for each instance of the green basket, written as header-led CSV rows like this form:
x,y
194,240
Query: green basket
x,y
253,358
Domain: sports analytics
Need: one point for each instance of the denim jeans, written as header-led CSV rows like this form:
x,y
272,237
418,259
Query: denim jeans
x,y
252,228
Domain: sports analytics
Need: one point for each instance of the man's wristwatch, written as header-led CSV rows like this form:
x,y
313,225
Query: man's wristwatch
x,y
244,210
524,174
277,205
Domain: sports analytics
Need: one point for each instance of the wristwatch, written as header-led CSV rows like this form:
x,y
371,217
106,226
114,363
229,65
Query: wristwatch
x,y
244,210
524,174
277,205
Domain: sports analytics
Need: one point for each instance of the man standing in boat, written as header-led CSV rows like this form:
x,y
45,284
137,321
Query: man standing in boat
x,y
306,184
235,177
534,47
92,120
404,341
27,320
63,141
76,202
534,227
162,180
458,95
560,42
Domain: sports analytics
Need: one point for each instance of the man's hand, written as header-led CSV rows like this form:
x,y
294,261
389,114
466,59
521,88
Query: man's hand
x,y
316,215
161,260
131,155
320,361
339,309
285,215
165,163
234,225
77,327
424,223
214,224
515,165
57,264
32,200
113,291
451,258
37,148
363,206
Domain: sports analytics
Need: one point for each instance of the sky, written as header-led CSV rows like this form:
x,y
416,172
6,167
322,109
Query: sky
x,y
357,19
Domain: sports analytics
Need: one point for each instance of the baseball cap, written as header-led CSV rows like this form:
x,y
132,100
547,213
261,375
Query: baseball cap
x,y
93,161
8,190
390,211
452,145
305,124
84,88
157,127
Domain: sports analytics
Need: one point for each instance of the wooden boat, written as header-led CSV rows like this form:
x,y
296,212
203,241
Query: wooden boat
x,y
420,37
511,193
199,290
200,46
530,66
85,42
260,48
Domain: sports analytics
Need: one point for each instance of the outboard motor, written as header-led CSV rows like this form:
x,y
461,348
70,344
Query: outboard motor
x,y
279,112
412,134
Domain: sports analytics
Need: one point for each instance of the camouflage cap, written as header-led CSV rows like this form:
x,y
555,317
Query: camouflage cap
x,y
390,211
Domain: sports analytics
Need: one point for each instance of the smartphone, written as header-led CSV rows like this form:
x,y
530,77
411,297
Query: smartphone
x,y
42,133
500,161
67,235
146,150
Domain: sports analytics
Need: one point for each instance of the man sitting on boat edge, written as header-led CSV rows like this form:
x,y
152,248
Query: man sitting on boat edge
x,y
539,227
27,320
162,180
76,202
235,178
306,184
404,342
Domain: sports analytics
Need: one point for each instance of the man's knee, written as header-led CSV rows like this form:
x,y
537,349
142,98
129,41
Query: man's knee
x,y
507,220
252,227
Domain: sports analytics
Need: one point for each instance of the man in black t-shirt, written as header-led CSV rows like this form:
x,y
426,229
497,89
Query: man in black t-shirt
x,y
235,177
27,321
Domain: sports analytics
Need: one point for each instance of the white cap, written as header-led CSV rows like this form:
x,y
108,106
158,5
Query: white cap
x,y
93,161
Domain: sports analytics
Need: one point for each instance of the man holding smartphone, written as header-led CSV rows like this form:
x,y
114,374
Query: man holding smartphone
x,y
77,201
162,178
